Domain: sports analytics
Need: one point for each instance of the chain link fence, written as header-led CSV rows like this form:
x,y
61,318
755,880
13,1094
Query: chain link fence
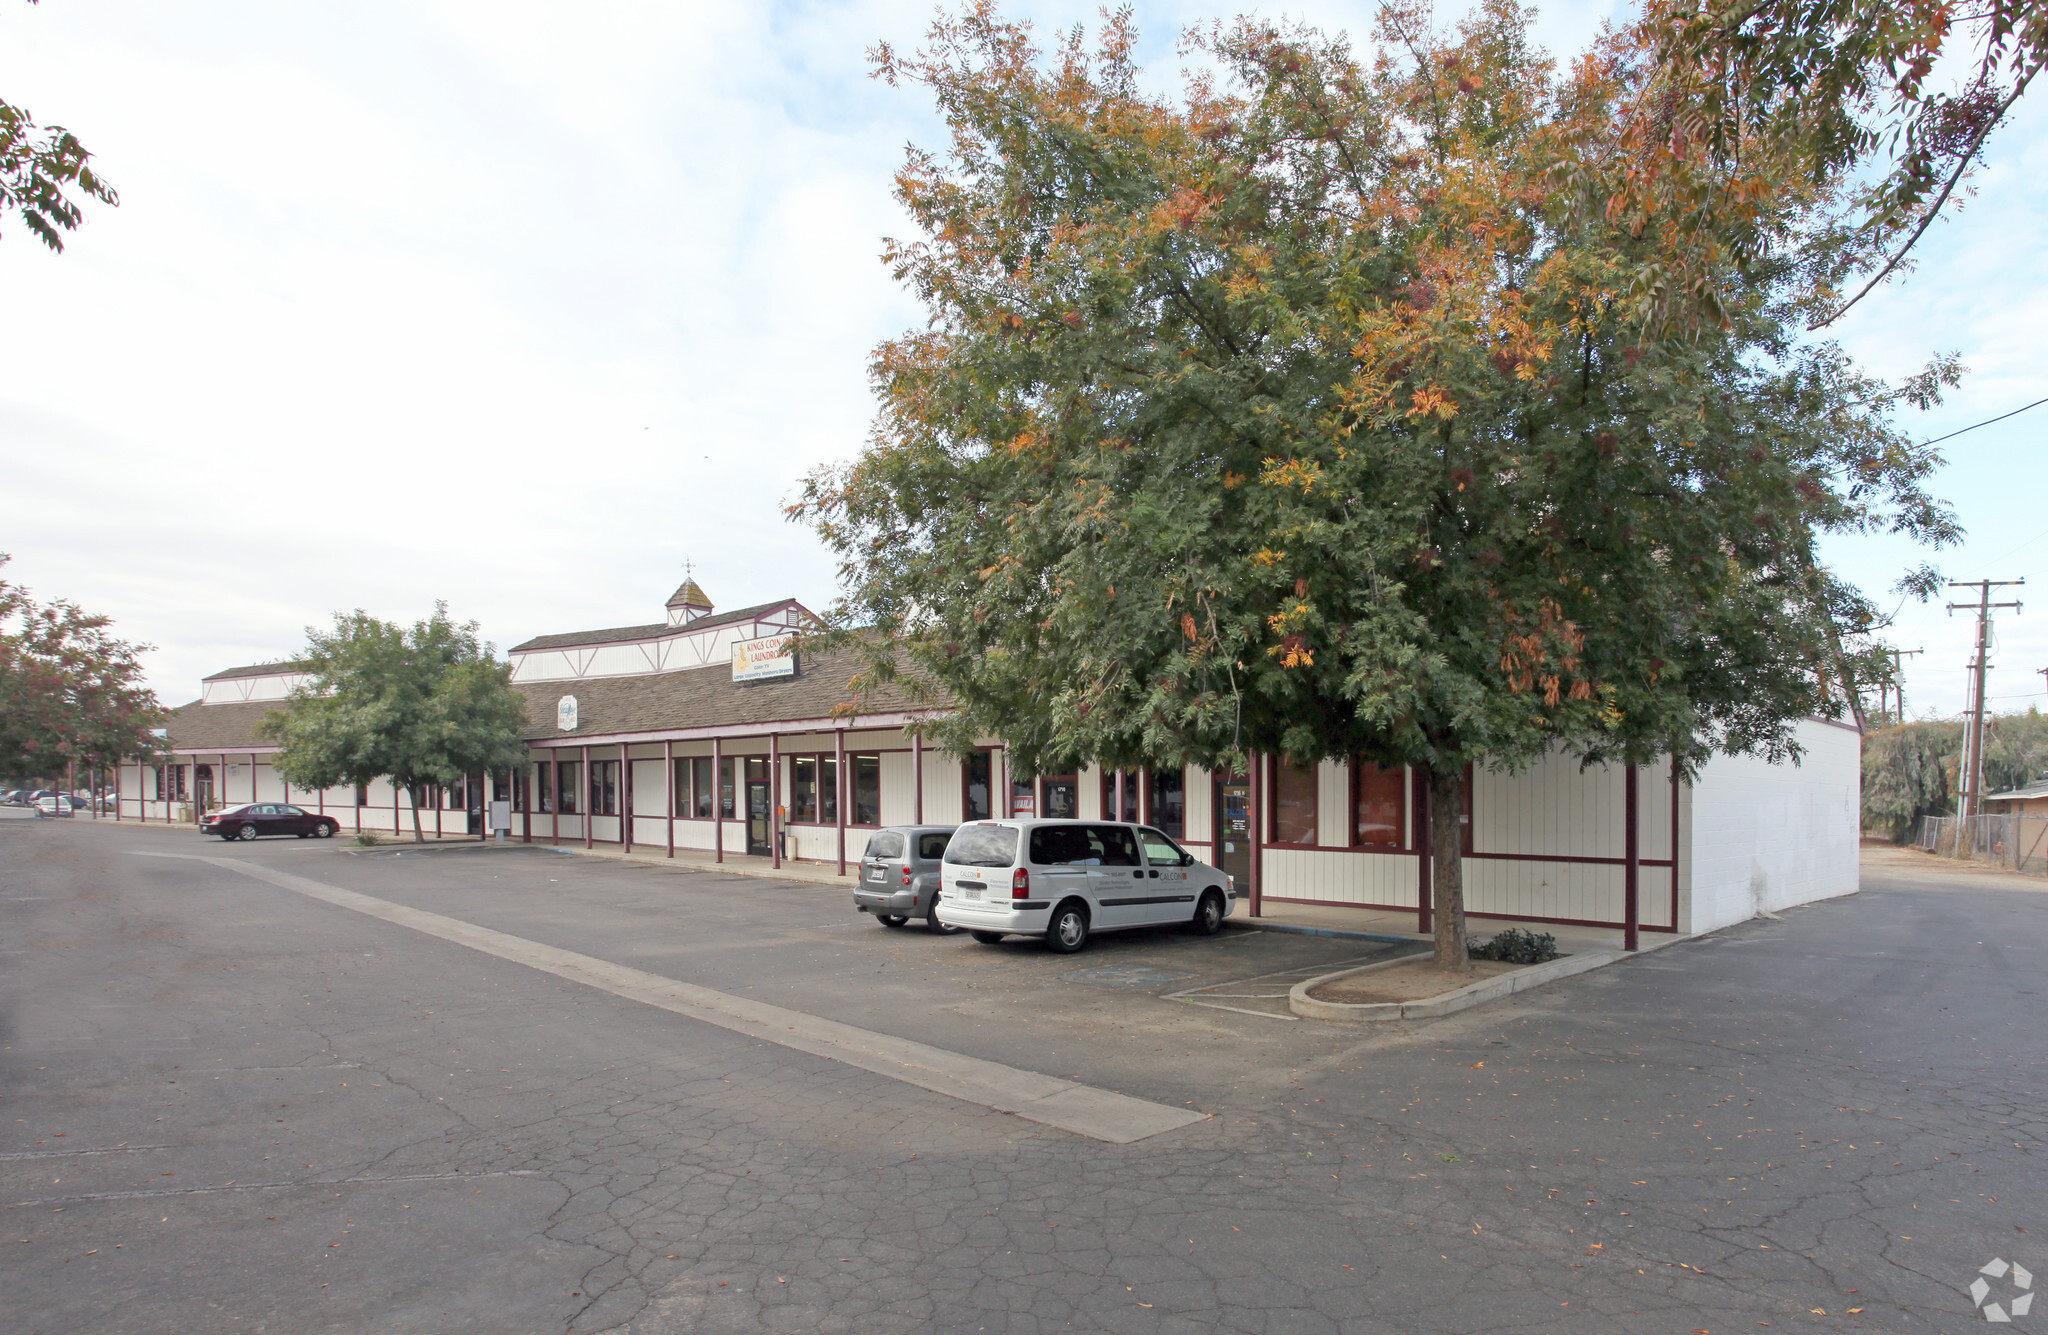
x,y
2018,842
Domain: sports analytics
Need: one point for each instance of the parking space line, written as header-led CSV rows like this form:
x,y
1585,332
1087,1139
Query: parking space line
x,y
1082,1109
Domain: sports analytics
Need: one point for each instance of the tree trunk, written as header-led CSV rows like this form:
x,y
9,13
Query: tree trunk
x,y
1447,845
412,791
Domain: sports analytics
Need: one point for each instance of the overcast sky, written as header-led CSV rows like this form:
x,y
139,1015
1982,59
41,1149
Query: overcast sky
x,y
519,306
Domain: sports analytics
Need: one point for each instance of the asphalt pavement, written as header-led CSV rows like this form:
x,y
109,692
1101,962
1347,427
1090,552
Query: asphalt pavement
x,y
293,1087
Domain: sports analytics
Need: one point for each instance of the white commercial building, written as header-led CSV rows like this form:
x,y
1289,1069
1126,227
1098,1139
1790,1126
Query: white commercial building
x,y
698,732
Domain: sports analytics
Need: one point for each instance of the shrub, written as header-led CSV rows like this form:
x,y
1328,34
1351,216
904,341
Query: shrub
x,y
368,838
1516,947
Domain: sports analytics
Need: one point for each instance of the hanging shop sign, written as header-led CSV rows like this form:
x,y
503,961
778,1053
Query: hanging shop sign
x,y
565,714
764,660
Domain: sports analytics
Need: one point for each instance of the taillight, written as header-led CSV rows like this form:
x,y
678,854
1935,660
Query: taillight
x,y
906,876
1020,884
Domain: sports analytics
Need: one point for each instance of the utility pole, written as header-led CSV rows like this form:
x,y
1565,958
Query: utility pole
x,y
1899,680
1973,750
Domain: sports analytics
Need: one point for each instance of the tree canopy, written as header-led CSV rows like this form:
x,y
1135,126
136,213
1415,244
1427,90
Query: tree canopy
x,y
69,689
41,166
425,704
1369,410
1893,100
1913,770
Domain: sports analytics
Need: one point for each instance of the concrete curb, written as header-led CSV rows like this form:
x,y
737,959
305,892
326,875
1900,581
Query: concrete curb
x,y
1260,924
1449,1003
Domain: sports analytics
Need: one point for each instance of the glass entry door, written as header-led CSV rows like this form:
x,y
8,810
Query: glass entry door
x,y
1234,830
759,828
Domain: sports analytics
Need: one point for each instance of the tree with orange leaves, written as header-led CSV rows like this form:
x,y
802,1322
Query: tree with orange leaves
x,y
1345,408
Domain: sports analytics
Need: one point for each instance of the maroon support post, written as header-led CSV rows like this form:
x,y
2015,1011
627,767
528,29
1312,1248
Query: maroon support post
x,y
718,798
916,778
775,800
839,790
1255,830
668,760
589,825
1632,860
625,799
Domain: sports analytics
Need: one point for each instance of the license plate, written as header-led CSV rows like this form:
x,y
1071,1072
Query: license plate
x,y
974,893
878,876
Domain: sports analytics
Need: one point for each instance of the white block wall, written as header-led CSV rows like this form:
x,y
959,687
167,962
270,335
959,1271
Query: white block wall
x,y
1765,837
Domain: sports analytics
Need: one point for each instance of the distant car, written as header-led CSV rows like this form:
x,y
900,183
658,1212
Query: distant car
x,y
53,805
899,875
1068,879
251,819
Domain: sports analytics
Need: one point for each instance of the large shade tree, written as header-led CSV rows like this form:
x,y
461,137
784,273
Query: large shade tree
x,y
71,692
44,172
1339,409
429,703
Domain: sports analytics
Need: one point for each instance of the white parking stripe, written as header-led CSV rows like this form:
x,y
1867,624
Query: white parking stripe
x,y
1081,1109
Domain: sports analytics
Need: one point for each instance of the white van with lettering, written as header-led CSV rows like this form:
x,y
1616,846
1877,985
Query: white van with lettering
x,y
1065,880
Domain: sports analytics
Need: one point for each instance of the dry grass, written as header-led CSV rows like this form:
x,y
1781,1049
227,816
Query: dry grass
x,y
1414,980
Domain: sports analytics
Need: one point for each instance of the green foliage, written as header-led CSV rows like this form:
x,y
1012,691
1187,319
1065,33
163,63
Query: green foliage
x,y
69,690
1843,88
367,839
1517,946
429,704
38,165
1915,770
1313,416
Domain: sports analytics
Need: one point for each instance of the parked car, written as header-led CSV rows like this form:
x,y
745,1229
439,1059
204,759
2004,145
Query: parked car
x,y
53,805
251,819
1068,879
899,875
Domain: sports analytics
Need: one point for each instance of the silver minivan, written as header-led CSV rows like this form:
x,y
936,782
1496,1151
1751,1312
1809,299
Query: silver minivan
x,y
899,875
1068,879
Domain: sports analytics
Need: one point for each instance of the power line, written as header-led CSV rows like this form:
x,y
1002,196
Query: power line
x,y
1986,422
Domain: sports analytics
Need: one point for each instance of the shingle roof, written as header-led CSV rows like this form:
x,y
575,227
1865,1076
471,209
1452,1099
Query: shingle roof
x,y
204,727
277,669
689,594
701,698
2038,788
654,631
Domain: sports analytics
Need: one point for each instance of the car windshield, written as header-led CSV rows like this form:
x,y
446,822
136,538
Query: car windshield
x,y
983,846
887,844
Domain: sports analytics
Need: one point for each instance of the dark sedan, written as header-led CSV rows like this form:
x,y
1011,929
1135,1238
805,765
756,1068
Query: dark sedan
x,y
255,818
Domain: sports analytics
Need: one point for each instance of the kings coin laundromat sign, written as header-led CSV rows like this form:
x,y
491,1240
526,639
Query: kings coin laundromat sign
x,y
565,714
764,660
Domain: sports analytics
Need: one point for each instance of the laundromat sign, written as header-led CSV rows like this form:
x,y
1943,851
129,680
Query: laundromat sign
x,y
764,660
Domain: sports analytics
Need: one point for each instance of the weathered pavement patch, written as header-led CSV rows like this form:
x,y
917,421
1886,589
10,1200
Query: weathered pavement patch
x,y
1116,1118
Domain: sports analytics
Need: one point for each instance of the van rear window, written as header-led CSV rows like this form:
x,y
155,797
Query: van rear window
x,y
983,846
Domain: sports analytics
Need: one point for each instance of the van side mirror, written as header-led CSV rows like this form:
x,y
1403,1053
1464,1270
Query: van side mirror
x,y
1187,859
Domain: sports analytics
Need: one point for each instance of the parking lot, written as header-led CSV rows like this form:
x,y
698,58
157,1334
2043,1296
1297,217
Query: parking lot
x,y
238,1106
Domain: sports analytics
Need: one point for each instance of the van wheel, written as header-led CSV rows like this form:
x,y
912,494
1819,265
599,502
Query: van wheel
x,y
1209,914
988,938
892,919
1068,930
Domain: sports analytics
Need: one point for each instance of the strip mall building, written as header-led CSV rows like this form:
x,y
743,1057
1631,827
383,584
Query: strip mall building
x,y
697,733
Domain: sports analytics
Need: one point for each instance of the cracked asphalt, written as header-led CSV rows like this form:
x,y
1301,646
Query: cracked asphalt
x,y
232,1108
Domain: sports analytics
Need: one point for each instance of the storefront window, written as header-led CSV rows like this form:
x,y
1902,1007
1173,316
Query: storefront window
x,y
725,790
604,787
867,790
1023,798
1379,805
803,789
1170,802
703,792
828,790
979,787
1294,803
568,780
1062,796
543,787
1130,811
